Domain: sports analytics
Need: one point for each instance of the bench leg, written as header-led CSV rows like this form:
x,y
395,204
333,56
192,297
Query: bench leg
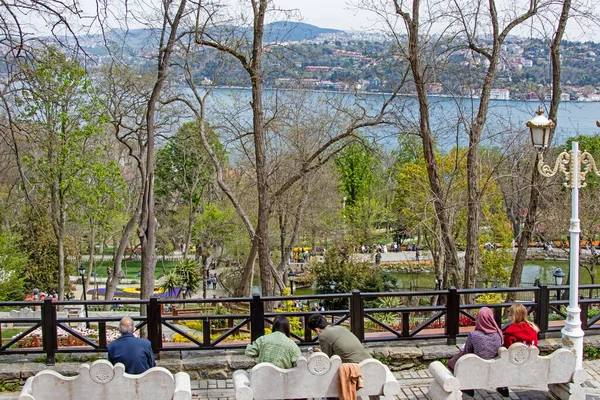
x,y
568,391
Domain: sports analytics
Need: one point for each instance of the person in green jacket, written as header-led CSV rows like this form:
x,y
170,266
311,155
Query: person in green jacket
x,y
276,348
337,340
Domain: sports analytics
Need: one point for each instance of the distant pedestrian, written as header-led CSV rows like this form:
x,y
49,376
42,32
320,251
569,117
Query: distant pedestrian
x,y
214,281
417,256
377,258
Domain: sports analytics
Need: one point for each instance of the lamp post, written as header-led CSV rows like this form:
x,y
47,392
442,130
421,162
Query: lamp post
x,y
82,275
291,277
575,165
559,276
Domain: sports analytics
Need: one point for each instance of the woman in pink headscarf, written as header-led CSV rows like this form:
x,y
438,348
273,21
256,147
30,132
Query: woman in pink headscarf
x,y
484,342
486,339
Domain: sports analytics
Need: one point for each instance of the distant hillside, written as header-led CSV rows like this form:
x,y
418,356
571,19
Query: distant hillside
x,y
137,40
288,31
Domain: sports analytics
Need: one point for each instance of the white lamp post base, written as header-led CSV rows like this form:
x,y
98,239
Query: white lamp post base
x,y
572,334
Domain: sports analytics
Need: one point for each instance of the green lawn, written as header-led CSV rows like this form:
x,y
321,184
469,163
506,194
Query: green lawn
x,y
10,332
131,268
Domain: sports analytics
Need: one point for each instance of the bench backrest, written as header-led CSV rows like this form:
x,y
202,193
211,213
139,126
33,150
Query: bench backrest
x,y
519,365
316,376
102,381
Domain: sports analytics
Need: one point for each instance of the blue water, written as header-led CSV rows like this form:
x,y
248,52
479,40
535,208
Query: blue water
x,y
532,270
449,116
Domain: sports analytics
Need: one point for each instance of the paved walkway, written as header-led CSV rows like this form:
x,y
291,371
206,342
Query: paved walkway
x,y
414,387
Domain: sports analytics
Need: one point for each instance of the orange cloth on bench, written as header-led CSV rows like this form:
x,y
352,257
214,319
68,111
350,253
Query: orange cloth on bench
x,y
350,381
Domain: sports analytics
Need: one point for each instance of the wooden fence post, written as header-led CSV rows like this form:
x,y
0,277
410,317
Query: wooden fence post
x,y
49,336
257,317
452,315
357,315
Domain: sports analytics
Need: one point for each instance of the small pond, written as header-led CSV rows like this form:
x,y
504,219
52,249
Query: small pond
x,y
532,270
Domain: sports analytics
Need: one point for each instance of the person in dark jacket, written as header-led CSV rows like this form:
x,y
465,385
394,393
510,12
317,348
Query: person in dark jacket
x,y
520,330
337,340
135,353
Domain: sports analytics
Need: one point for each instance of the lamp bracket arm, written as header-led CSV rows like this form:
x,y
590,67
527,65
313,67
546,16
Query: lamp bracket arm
x,y
561,164
588,164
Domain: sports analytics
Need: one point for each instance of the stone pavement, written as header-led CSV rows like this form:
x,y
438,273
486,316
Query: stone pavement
x,y
414,387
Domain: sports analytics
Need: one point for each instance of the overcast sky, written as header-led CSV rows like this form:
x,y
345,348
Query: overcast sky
x,y
341,14
336,14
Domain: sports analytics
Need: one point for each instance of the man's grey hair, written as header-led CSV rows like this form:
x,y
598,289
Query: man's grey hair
x,y
126,325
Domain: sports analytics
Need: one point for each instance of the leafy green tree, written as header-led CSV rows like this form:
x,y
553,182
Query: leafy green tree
x,y
347,274
38,242
183,172
13,262
360,175
355,166
214,228
61,109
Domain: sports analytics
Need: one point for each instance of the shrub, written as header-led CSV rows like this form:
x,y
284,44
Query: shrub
x,y
489,298
591,353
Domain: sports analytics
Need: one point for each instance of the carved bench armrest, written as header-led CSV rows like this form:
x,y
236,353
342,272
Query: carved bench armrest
x,y
241,386
391,387
26,392
183,387
443,376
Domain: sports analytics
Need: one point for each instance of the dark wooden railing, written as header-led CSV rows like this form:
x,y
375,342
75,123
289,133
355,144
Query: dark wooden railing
x,y
448,317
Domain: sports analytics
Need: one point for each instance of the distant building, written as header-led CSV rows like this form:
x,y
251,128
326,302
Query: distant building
x,y
500,94
434,88
531,96
527,63
565,97
316,68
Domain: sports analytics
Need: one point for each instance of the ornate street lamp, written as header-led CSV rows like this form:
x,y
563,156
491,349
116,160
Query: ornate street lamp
x,y
559,276
81,270
291,277
575,165
540,128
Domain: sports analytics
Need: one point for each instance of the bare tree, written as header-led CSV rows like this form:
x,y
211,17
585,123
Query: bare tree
x,y
249,54
536,178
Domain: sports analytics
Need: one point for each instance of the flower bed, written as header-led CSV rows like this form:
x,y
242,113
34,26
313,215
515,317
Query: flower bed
x,y
65,339
134,292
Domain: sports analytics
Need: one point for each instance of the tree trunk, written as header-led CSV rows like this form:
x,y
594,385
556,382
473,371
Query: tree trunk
x,y
414,48
188,233
536,178
245,285
260,151
148,225
90,267
117,273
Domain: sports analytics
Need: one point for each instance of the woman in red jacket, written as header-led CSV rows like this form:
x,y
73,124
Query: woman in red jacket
x,y
520,330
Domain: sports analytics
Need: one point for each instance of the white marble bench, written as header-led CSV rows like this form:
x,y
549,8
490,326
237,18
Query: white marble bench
x,y
517,366
102,381
315,377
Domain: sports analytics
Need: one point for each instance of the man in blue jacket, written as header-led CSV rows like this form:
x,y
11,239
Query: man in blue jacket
x,y
135,353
